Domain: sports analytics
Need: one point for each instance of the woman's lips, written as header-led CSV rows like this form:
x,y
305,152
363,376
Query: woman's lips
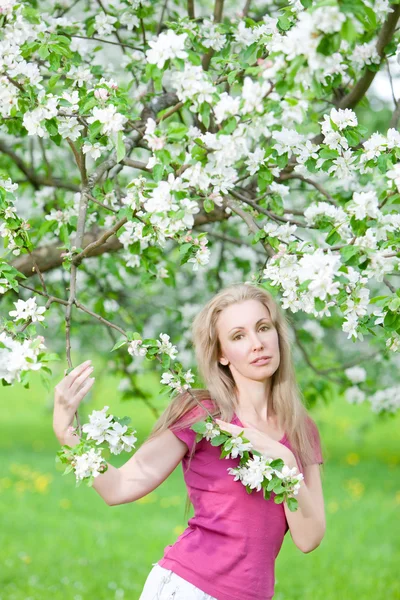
x,y
262,361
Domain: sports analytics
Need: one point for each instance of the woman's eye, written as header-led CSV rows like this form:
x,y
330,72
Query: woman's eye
x,y
240,335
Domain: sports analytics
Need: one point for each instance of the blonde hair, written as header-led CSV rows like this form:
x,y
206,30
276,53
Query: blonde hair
x,y
285,400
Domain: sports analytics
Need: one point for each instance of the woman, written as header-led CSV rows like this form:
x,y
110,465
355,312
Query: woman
x,y
229,548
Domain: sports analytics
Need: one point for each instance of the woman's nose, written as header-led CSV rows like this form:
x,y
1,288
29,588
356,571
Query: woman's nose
x,y
256,343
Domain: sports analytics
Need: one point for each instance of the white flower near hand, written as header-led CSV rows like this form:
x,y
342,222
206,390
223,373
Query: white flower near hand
x,y
98,426
211,431
287,472
89,464
167,45
118,441
257,469
238,447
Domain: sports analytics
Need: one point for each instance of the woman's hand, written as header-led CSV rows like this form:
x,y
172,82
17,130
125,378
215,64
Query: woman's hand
x,y
68,395
260,441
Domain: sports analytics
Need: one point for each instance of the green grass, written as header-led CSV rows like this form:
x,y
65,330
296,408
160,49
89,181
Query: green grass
x,y
64,543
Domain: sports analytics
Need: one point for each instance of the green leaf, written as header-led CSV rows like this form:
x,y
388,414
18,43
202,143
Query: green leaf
x,y
199,427
205,114
349,254
348,31
351,136
121,150
250,54
177,131
378,299
229,126
278,499
333,237
208,205
118,344
283,23
158,171
329,44
328,153
219,439
265,174
292,504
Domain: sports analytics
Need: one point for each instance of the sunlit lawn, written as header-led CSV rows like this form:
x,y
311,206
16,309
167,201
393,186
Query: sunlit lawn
x,y
62,542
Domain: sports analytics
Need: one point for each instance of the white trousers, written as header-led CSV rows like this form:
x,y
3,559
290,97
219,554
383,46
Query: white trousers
x,y
163,584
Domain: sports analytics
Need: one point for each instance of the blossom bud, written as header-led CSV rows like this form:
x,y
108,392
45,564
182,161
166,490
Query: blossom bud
x,y
101,94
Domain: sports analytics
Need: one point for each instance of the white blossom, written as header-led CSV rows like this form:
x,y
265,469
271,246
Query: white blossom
x,y
356,374
167,45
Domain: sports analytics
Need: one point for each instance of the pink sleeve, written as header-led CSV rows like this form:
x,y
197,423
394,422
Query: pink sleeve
x,y
182,427
316,443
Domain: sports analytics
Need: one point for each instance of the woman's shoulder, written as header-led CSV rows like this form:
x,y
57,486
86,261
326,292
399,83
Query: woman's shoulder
x,y
197,410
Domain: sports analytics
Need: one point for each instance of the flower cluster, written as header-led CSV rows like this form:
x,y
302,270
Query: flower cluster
x,y
107,428
104,430
179,380
27,310
17,357
255,471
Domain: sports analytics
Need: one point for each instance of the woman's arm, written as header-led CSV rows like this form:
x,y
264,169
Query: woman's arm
x,y
151,464
307,524
143,472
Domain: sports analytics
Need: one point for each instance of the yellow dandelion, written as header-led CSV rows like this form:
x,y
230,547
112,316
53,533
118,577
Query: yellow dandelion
x,y
352,458
392,460
41,483
25,558
5,483
21,486
179,529
355,488
170,501
333,506
149,499
37,445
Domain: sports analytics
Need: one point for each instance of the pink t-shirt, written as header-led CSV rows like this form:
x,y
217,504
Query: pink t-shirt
x,y
230,545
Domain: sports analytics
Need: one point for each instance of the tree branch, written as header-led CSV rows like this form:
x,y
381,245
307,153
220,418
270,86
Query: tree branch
x,y
385,35
49,257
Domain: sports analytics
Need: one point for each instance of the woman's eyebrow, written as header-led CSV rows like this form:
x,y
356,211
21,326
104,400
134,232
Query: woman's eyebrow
x,y
259,321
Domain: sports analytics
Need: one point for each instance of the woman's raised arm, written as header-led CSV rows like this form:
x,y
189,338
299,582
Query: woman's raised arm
x,y
143,472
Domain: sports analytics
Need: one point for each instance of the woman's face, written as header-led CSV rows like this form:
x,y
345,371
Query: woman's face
x,y
245,332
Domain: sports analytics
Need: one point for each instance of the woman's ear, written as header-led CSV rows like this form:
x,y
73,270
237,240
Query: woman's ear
x,y
223,361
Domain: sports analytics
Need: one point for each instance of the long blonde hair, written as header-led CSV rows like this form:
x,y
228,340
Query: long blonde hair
x,y
285,400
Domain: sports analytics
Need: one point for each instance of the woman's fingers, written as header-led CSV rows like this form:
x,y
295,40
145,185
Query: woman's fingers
x,y
80,379
83,391
71,377
229,427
